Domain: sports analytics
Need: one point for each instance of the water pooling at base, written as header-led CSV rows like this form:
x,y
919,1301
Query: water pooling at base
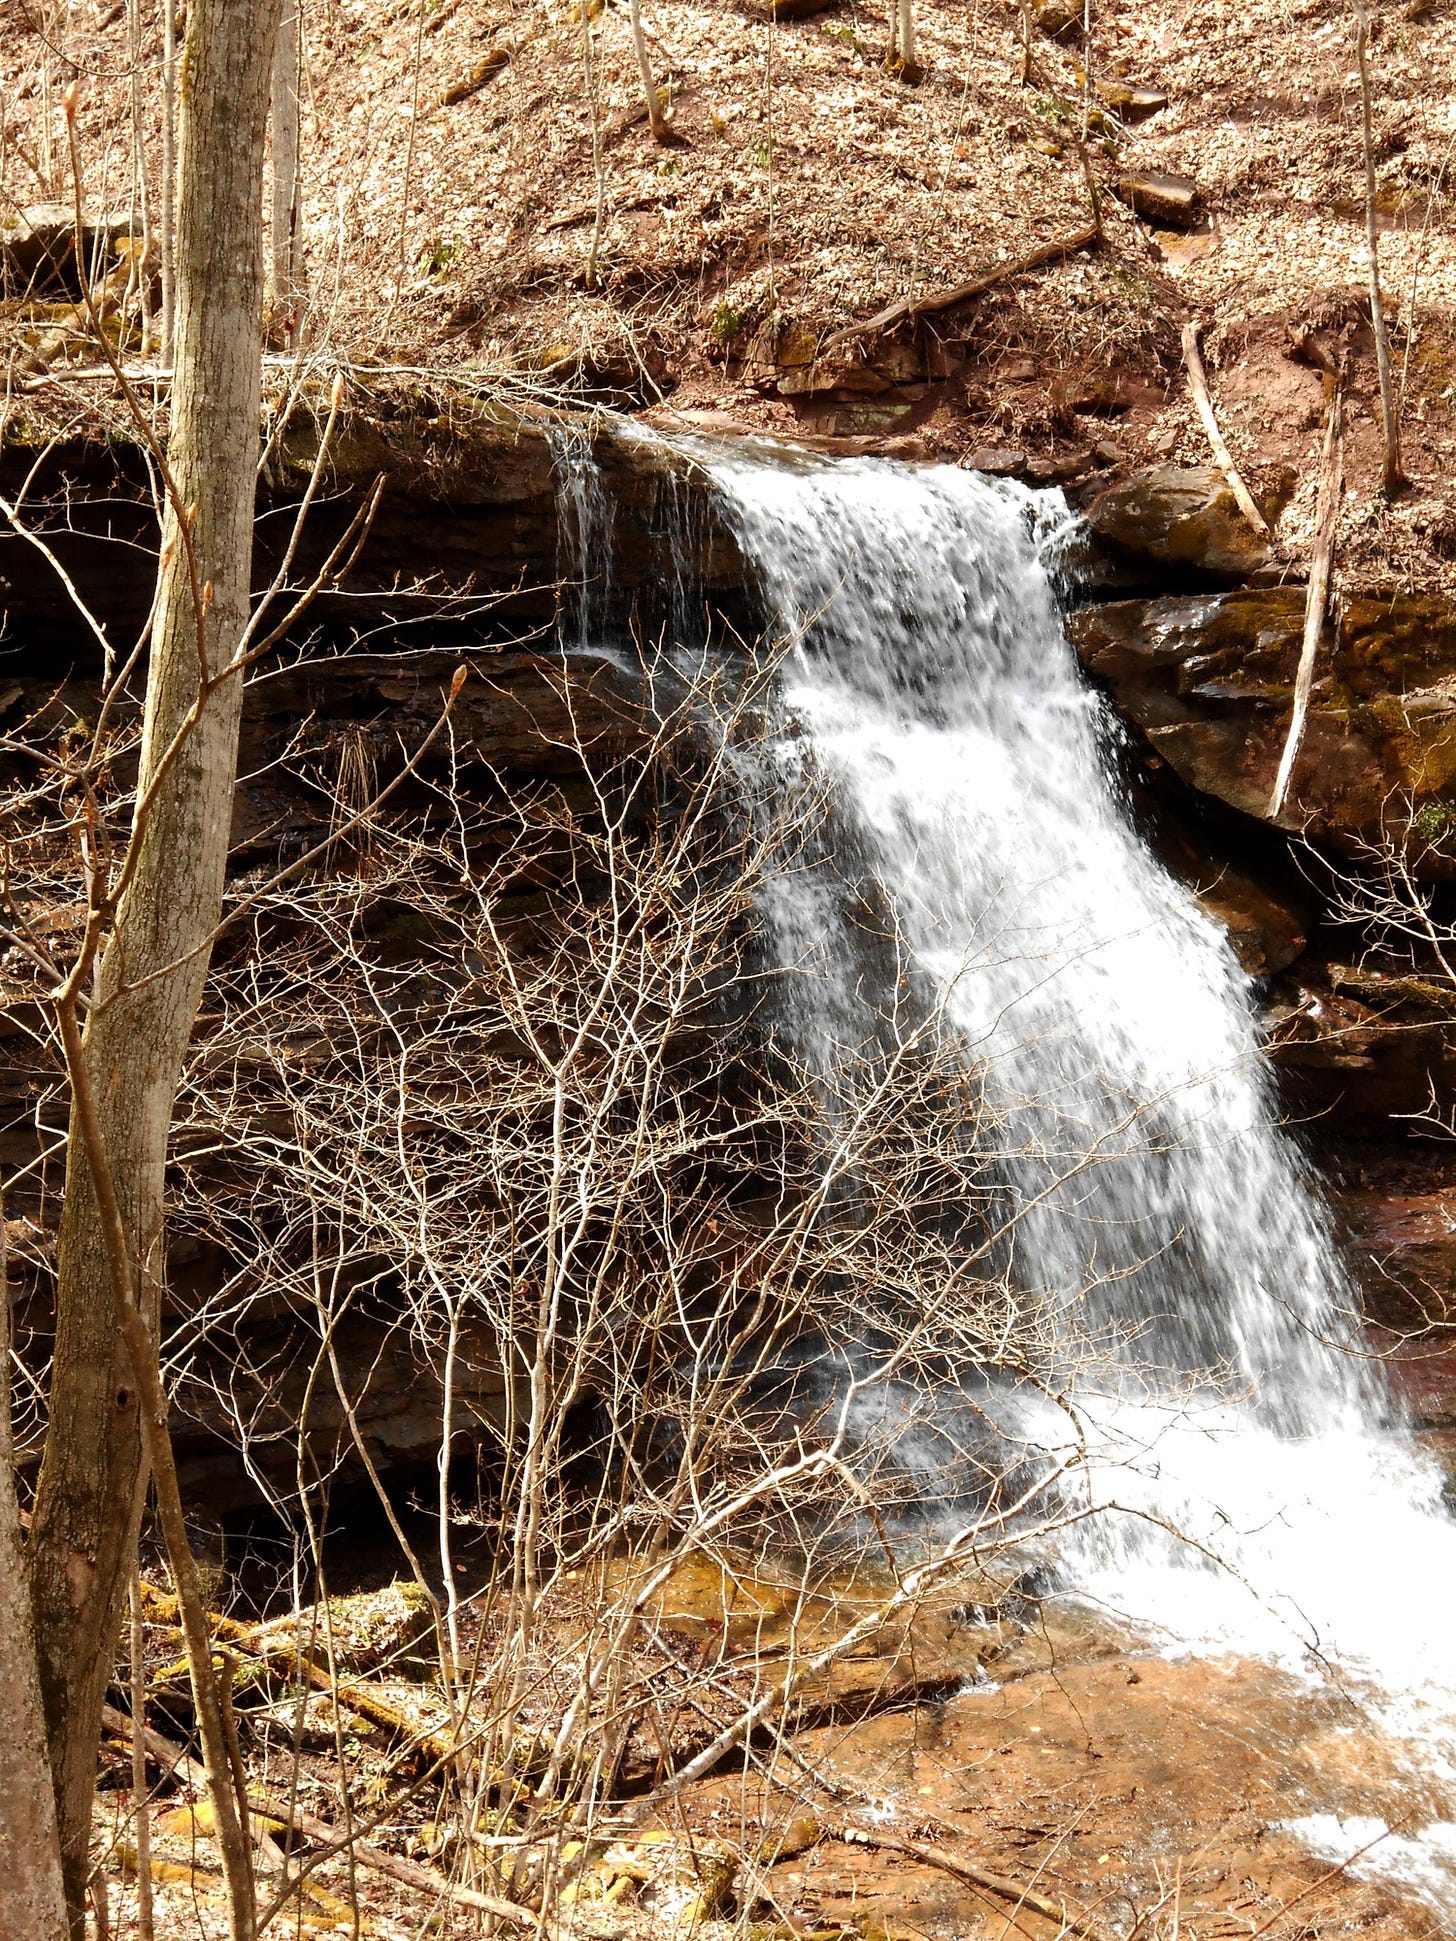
x,y
1261,1493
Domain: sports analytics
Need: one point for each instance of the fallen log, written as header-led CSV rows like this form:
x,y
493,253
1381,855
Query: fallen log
x,y
362,1699
475,78
1198,385
963,292
1331,497
168,1755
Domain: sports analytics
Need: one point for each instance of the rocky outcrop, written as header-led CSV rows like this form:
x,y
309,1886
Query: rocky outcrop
x,y
38,246
240,1415
465,539
1361,1049
1208,681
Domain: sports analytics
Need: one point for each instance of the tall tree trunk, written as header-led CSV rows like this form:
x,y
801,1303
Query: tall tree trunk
x,y
83,1533
656,120
1393,470
167,215
905,37
32,1904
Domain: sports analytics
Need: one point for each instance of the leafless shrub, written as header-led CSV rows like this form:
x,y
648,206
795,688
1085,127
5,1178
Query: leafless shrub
x,y
499,1095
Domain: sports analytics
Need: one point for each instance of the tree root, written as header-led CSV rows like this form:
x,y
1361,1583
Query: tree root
x,y
963,292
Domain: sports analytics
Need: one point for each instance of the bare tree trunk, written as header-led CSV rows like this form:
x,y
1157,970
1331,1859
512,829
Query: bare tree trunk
x,y
284,279
167,215
32,1903
656,120
1084,152
1327,524
598,166
909,68
1198,385
1394,471
84,1527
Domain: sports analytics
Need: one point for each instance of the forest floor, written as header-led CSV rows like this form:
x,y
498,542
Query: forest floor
x,y
1061,1778
480,193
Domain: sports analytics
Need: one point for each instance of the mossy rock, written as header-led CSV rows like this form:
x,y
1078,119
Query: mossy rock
x,y
1180,517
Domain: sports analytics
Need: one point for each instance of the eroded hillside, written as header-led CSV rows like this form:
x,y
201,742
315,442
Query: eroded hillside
x,y
481,195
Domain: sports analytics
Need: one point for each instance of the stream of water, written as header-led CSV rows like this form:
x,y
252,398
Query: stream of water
x,y
1269,1498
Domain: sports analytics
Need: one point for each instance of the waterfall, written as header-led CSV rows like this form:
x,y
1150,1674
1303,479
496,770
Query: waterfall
x,y
583,536
1259,1490
973,784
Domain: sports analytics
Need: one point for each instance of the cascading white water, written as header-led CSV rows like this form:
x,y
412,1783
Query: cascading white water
x,y
1173,1224
583,525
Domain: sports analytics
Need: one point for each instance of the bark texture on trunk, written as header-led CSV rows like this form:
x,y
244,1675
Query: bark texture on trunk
x,y
656,121
83,1532
32,1904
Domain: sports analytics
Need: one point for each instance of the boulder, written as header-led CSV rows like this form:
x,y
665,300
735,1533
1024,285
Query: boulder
x,y
1208,681
791,9
1177,517
1132,103
1060,469
1059,19
1169,201
999,461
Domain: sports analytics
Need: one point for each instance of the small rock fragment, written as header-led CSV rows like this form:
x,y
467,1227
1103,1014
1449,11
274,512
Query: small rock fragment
x,y
1000,462
1130,103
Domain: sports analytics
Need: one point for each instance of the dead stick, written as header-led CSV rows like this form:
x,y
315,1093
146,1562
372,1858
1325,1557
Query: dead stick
x,y
946,299
1331,495
997,1884
141,1805
408,1872
1198,385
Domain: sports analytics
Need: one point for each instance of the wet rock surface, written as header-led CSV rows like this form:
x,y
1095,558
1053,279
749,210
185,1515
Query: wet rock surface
x,y
465,542
1107,1783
